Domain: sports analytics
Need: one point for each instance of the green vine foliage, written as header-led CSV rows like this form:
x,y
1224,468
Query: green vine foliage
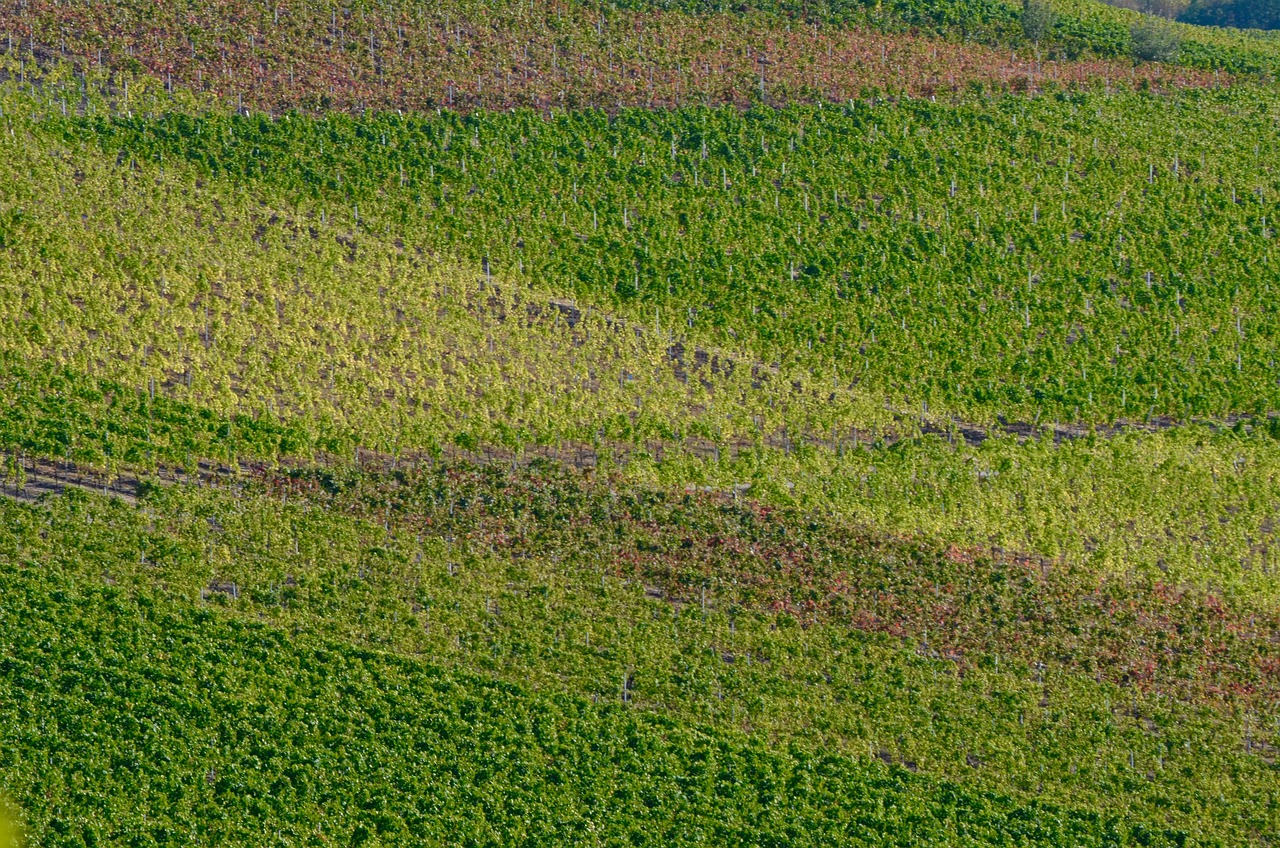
x,y
275,314
775,608
1076,257
211,666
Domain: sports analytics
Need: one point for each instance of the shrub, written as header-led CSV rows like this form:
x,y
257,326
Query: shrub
x,y
1154,41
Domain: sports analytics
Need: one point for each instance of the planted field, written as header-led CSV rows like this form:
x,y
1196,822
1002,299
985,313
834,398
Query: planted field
x,y
307,290
877,444
505,575
361,747
1073,258
573,55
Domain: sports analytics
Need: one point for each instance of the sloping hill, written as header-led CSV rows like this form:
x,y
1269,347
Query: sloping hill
x,y
275,57
385,663
876,445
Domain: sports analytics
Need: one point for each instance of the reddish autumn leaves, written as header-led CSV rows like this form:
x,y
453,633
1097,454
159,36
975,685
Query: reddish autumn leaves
x,y
313,57
965,605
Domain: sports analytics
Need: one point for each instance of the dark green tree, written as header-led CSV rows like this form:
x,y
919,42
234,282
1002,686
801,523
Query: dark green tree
x,y
1154,40
1245,14
1038,19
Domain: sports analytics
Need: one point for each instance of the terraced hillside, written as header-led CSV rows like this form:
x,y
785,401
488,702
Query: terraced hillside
x,y
573,55
484,423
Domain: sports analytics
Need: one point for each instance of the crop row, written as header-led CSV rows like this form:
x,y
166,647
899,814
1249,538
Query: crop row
x,y
166,287
1077,26
315,58
1092,257
160,725
555,623
1133,630
960,603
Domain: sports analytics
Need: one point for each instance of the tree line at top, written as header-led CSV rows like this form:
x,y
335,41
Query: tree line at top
x,y
1240,14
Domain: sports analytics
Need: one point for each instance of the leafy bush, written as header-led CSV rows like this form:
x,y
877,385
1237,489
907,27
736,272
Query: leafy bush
x,y
1155,41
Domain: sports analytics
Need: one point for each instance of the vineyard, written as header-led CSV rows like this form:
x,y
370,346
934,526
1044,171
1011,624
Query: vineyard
x,y
964,260
468,55
504,583
649,422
